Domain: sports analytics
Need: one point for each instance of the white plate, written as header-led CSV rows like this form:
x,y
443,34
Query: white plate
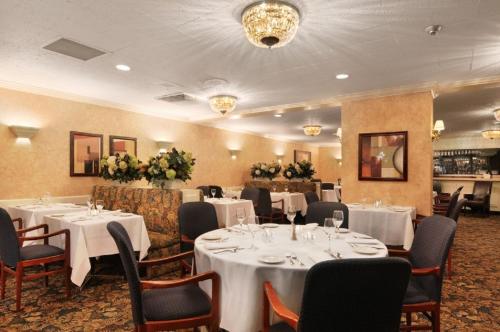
x,y
354,204
365,250
270,225
211,237
399,210
362,236
343,230
126,214
57,215
271,259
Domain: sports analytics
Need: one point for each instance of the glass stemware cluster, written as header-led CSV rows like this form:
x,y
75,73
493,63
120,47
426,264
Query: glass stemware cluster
x,y
333,224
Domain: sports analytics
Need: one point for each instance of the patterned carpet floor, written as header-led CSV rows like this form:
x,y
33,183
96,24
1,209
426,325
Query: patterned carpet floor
x,y
471,299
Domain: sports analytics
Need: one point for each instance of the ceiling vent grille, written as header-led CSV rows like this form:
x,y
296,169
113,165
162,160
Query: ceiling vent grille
x,y
176,97
73,49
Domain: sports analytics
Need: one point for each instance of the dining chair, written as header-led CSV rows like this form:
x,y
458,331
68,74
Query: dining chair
x,y
318,211
218,191
444,198
16,260
251,194
446,208
455,214
427,256
327,186
480,197
195,218
205,190
265,209
311,197
345,295
166,304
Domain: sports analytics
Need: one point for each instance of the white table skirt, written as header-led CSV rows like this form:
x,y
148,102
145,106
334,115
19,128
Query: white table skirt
x,y
90,238
384,224
242,275
33,214
329,195
297,200
226,210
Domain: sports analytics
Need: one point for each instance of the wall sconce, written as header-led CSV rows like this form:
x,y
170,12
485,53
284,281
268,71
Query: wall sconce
x,y
436,131
279,158
163,146
339,134
234,154
23,134
339,161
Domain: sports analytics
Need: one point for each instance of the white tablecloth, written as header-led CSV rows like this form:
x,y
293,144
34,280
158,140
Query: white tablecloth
x,y
385,224
329,195
90,238
243,275
32,214
226,210
297,200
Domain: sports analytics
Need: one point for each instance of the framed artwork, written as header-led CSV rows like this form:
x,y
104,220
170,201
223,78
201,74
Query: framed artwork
x,y
301,155
85,153
122,145
383,156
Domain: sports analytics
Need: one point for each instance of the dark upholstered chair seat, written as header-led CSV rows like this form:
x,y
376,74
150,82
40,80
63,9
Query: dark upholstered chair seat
x,y
175,303
276,211
39,251
281,327
162,240
415,293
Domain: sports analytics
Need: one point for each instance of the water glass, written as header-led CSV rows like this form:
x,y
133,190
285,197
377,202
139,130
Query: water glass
x,y
290,213
99,205
240,216
213,192
328,226
338,219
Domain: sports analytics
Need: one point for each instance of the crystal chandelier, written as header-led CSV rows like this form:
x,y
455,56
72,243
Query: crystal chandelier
x,y
312,130
270,24
491,133
223,104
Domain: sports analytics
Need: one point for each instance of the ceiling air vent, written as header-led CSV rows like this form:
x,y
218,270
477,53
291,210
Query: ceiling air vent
x,y
175,97
73,49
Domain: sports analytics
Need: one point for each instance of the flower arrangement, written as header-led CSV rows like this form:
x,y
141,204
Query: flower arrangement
x,y
302,170
173,165
267,171
121,169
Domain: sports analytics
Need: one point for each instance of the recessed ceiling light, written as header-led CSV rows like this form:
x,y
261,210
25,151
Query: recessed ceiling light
x,y
342,76
278,115
234,117
122,67
433,29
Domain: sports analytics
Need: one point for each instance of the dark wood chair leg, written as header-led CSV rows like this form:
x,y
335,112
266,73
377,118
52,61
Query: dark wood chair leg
x,y
67,281
436,320
46,278
3,276
408,319
19,285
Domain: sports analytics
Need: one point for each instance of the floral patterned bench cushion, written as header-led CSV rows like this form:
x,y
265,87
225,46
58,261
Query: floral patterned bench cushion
x,y
300,187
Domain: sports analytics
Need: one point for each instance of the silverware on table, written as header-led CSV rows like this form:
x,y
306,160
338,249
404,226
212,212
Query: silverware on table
x,y
289,256
297,259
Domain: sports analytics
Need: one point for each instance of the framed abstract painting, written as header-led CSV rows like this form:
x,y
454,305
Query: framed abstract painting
x,y
122,145
301,155
85,153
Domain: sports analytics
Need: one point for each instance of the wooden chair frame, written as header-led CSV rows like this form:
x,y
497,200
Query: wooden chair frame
x,y
430,309
272,301
212,319
270,217
19,274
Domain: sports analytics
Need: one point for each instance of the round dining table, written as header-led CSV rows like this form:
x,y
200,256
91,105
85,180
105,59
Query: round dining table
x,y
245,261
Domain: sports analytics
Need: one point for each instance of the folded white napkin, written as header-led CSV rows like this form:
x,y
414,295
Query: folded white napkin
x,y
319,256
216,246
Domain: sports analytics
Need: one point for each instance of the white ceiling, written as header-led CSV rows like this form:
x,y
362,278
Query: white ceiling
x,y
176,45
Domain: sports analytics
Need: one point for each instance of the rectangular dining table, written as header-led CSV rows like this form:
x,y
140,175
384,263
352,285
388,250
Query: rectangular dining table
x,y
226,209
90,237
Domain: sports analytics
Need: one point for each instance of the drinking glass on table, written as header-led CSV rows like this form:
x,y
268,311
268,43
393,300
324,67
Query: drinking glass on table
x,y
46,198
286,188
338,219
213,192
240,216
328,227
99,205
274,188
252,231
90,204
290,213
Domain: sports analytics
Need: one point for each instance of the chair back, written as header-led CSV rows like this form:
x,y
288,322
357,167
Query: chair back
x,y
196,218
251,194
455,213
311,197
218,191
129,263
452,203
318,211
9,245
327,186
205,190
481,189
265,205
431,244
354,295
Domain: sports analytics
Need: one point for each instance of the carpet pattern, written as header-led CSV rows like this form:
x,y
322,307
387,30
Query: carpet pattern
x,y
471,299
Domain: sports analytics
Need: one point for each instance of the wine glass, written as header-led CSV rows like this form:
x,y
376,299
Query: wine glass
x,y
290,214
252,231
99,205
46,198
328,227
213,191
274,188
338,219
240,216
286,188
90,203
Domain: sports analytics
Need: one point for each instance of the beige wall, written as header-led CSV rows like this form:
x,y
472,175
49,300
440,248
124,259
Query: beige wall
x,y
31,170
471,142
329,169
412,113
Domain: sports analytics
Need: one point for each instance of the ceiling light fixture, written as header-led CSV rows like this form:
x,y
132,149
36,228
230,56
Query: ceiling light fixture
x,y
342,76
222,104
436,131
497,114
270,24
122,67
339,134
491,133
278,115
433,30
312,130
